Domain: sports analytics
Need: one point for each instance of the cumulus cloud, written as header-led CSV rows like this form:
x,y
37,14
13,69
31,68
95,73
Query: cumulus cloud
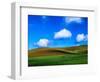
x,y
73,19
42,43
64,33
86,37
44,17
81,37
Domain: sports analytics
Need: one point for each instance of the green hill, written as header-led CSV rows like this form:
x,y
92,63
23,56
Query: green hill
x,y
57,56
56,51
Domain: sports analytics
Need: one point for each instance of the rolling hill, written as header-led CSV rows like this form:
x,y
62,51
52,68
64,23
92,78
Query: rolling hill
x,y
57,51
58,56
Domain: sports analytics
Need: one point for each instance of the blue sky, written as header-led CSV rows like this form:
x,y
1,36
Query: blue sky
x,y
56,31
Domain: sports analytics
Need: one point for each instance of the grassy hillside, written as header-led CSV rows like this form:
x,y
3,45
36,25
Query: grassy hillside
x,y
57,56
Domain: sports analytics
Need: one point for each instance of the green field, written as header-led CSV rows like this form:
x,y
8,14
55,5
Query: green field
x,y
58,56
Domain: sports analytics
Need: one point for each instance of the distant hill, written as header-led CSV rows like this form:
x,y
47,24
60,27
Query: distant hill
x,y
57,51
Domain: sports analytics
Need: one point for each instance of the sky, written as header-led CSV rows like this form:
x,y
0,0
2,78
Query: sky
x,y
57,31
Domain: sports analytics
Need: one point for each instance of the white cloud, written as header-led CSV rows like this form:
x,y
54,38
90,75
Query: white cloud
x,y
64,33
42,43
86,37
73,19
81,37
44,17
